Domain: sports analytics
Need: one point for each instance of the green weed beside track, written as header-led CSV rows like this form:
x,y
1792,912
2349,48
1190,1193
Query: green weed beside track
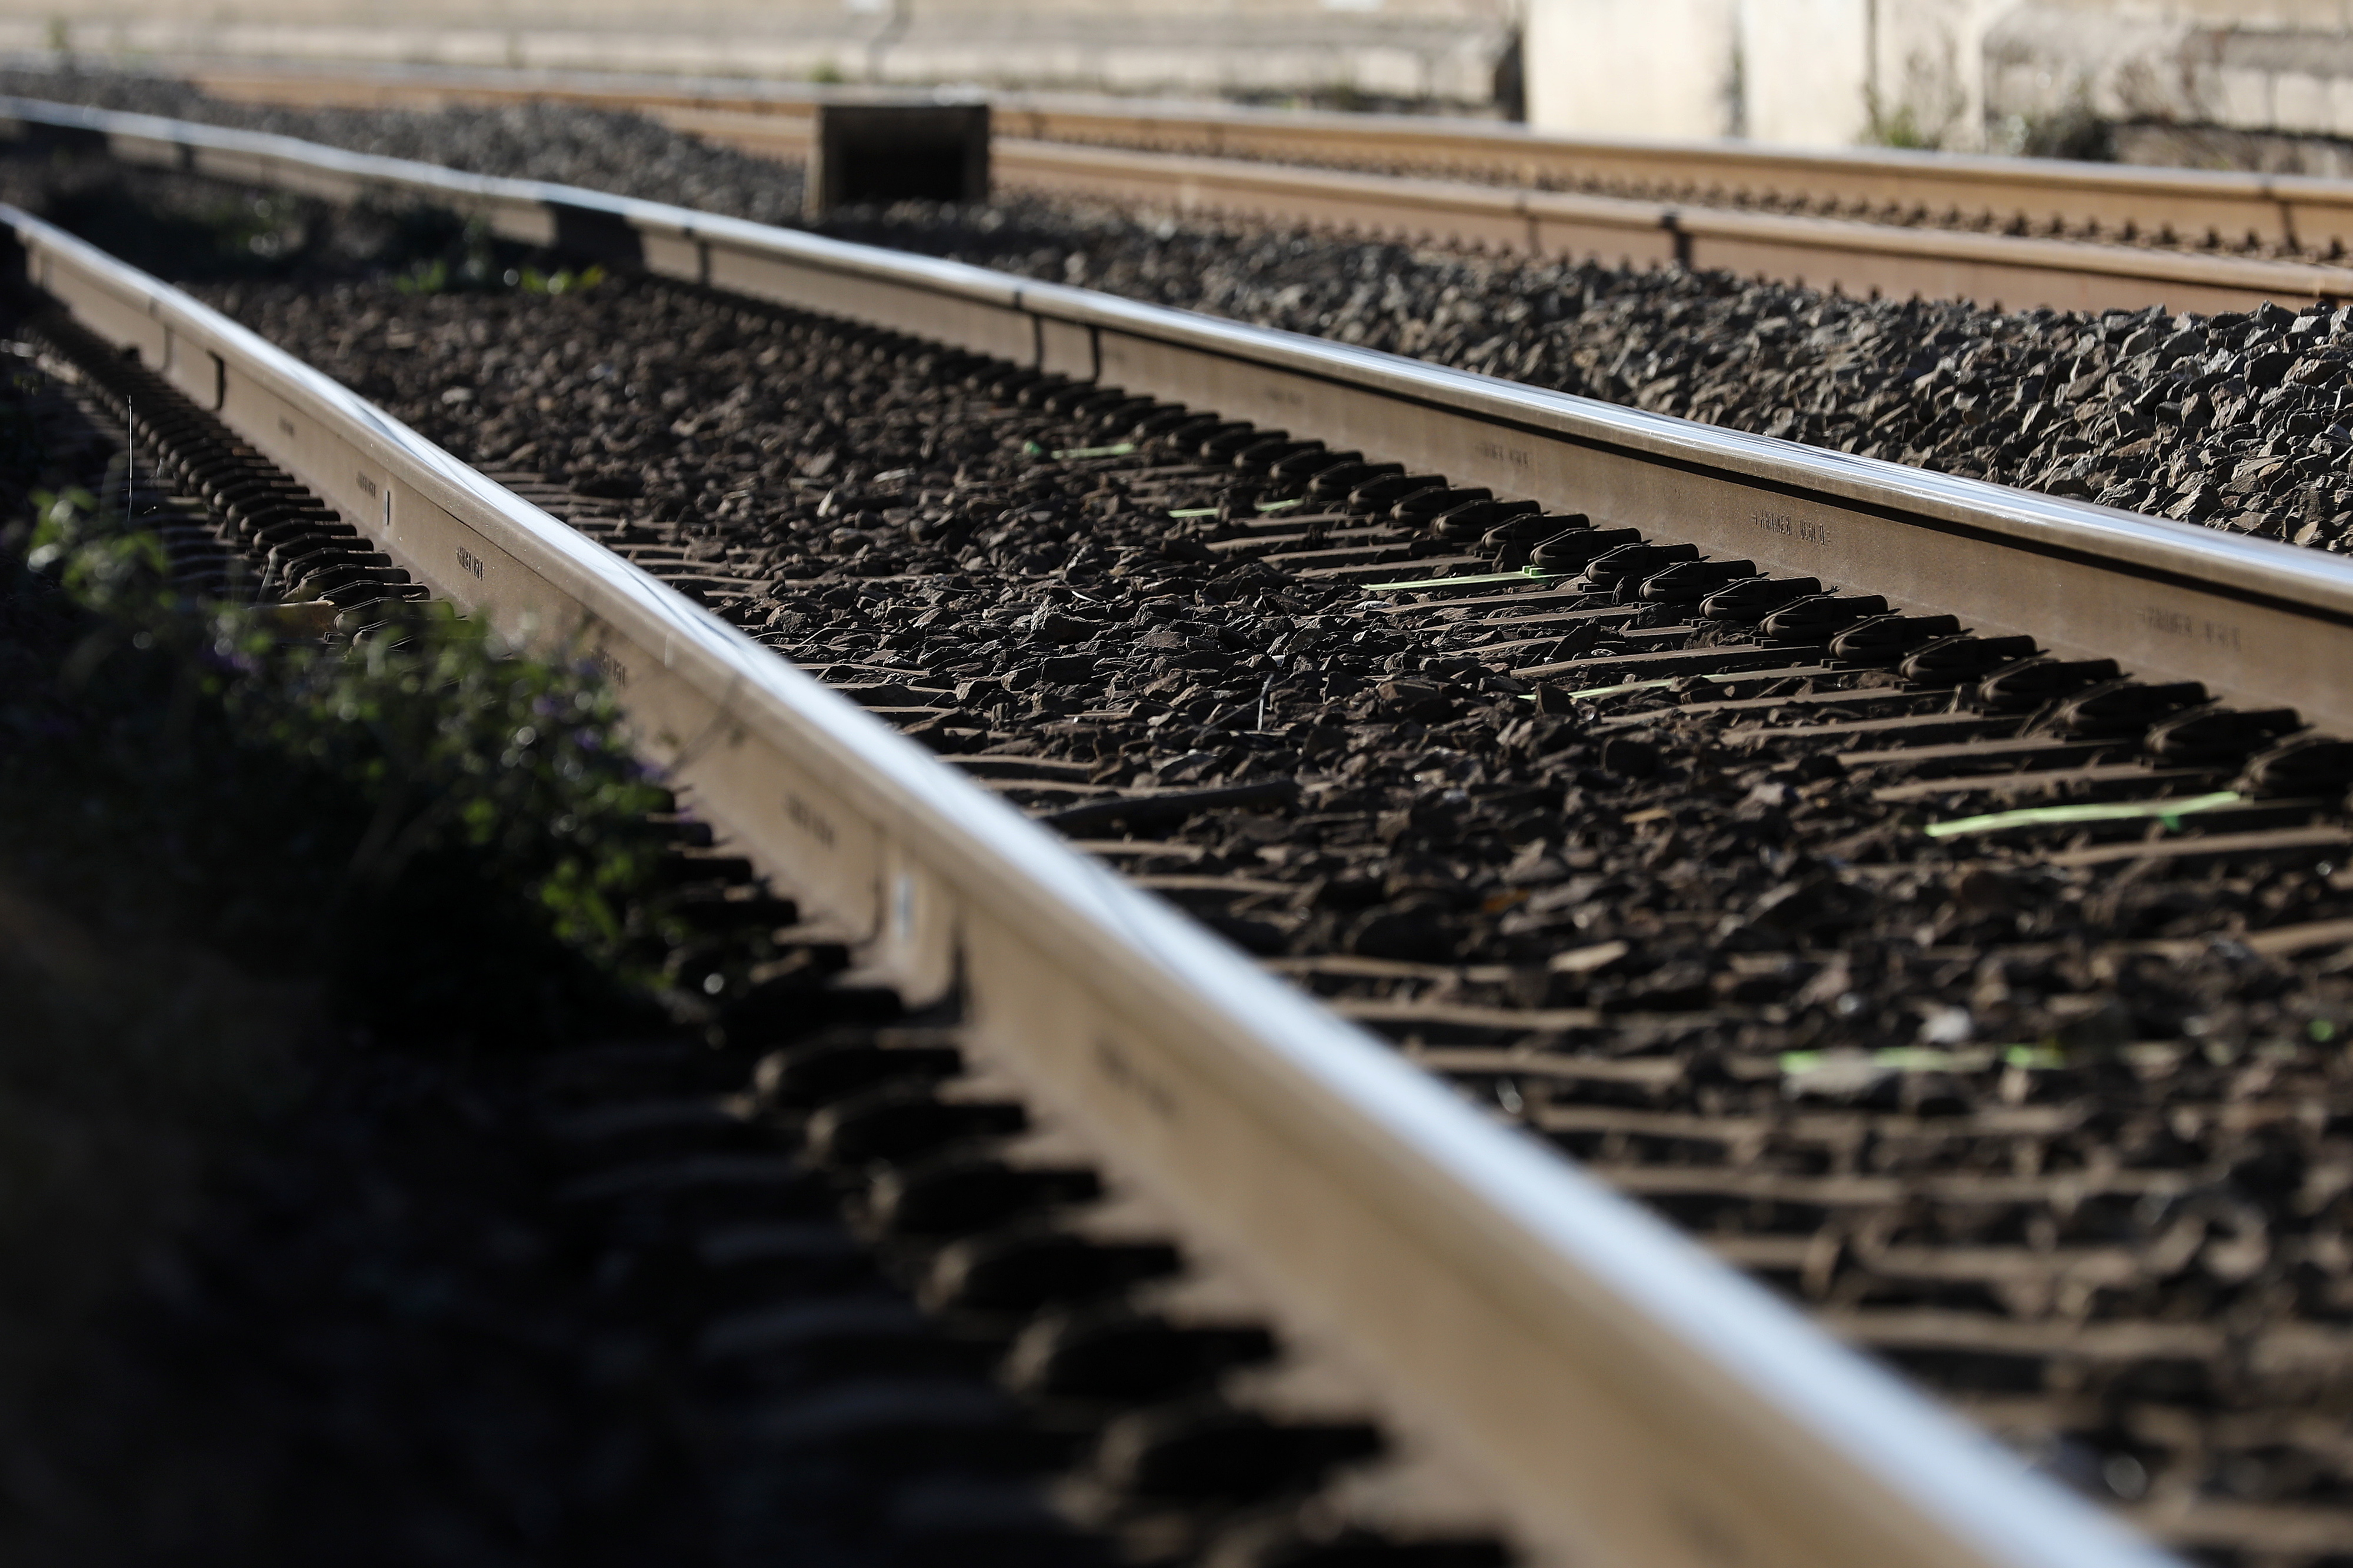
x,y
232,863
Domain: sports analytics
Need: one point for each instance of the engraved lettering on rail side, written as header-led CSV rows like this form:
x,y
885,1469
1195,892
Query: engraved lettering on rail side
x,y
368,485
615,670
470,562
1804,529
1285,397
1120,1070
809,820
2181,624
285,425
1497,452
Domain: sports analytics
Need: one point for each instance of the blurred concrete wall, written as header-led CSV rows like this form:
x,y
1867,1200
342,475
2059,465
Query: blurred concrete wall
x,y
1633,67
1444,49
2282,68
1825,73
1831,73
1960,74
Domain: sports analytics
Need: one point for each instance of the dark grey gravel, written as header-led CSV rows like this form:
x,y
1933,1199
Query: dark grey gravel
x,y
467,1258
2237,422
1974,1109
1999,1118
595,148
624,1317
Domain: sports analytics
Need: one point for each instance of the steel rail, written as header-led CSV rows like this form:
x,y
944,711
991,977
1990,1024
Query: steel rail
x,y
1632,1403
1618,1398
1626,199
1856,256
1859,258
2304,210
2259,622
2272,209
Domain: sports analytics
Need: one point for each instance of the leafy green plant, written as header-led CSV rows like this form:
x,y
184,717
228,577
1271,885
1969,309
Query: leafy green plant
x,y
442,758
428,277
241,872
435,276
467,260
1898,127
532,280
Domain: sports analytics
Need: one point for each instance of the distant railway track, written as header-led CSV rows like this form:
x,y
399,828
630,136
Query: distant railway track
x,y
2012,232
1910,710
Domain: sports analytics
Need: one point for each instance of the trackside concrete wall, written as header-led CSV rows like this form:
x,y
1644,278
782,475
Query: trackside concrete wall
x,y
1959,74
1821,73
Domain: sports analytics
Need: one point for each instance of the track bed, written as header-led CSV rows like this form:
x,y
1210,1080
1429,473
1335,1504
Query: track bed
x,y
2237,420
2039,1108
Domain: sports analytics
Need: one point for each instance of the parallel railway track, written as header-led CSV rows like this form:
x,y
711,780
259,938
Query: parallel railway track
x,y
2017,233
1595,1391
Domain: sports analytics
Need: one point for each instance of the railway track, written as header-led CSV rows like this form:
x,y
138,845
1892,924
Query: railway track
x,y
1831,854
2010,233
